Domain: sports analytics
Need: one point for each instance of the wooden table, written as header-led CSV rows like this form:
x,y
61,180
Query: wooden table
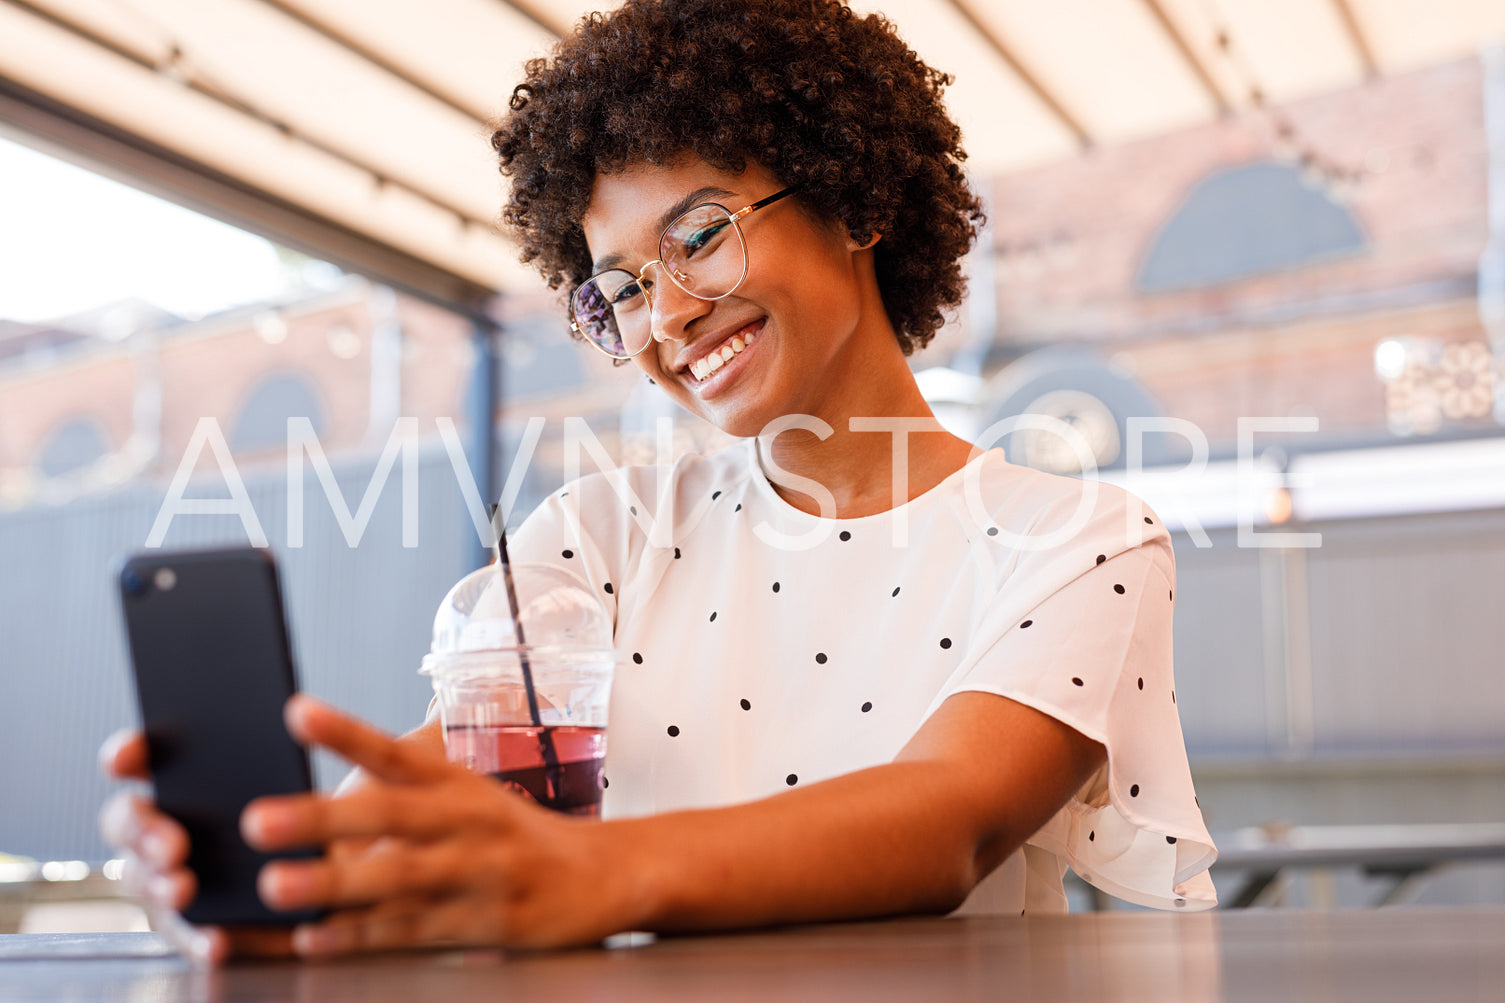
x,y
1398,954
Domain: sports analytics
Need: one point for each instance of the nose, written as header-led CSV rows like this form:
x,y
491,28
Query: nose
x,y
672,309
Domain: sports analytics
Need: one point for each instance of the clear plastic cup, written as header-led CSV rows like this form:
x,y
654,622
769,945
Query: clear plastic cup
x,y
478,671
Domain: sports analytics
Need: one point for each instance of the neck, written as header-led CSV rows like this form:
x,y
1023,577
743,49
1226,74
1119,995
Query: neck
x,y
885,445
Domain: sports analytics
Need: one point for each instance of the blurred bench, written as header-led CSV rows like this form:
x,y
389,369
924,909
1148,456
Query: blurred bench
x,y
62,896
1406,855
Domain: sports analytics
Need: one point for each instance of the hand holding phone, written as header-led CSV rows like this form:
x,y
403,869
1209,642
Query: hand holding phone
x,y
213,669
155,849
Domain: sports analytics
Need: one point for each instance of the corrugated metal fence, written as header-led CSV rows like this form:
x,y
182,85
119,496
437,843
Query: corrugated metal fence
x,y
1387,639
360,620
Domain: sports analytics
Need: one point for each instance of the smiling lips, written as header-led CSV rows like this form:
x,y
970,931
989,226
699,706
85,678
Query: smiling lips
x,y
703,367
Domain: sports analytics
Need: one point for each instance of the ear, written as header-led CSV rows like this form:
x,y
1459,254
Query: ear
x,y
853,245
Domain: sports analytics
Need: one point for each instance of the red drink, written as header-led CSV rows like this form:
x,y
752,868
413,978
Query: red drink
x,y
514,755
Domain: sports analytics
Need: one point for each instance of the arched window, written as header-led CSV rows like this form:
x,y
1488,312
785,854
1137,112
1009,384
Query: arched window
x,y
262,422
1247,221
1075,386
73,445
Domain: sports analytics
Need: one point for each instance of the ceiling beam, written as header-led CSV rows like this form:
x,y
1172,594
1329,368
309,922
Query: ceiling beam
x,y
1350,19
1189,55
1032,82
540,14
331,32
88,35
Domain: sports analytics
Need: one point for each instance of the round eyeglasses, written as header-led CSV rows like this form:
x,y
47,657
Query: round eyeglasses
x,y
702,252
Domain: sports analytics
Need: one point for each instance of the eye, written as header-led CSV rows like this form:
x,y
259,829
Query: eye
x,y
622,295
703,237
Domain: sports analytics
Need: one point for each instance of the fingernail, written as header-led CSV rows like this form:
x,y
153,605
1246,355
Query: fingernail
x,y
200,945
288,883
154,846
315,940
262,822
252,829
295,714
105,758
160,889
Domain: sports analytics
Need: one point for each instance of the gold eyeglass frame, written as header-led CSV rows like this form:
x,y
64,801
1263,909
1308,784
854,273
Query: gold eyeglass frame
x,y
742,213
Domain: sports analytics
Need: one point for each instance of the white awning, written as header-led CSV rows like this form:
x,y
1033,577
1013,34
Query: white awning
x,y
358,128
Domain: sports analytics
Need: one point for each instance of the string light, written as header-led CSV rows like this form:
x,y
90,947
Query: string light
x,y
1287,142
179,66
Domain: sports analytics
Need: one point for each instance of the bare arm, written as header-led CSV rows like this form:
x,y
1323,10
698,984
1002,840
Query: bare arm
x,y
467,861
914,835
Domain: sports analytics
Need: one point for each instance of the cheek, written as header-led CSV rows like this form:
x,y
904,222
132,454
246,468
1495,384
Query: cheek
x,y
825,289
646,362
821,262
805,277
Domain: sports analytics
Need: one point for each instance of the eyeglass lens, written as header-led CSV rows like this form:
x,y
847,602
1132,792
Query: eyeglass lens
x,y
701,252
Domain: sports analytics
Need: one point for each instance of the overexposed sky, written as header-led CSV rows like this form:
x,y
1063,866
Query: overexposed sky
x,y
71,240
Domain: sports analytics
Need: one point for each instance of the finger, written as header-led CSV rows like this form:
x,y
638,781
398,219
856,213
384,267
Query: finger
x,y
123,756
133,823
394,869
410,922
402,923
205,946
315,723
258,941
133,876
172,891
427,812
348,849
120,819
211,946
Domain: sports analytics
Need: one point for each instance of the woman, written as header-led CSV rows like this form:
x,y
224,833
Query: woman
x,y
868,669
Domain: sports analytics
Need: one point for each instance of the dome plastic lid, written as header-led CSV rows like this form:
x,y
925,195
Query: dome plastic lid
x,y
556,609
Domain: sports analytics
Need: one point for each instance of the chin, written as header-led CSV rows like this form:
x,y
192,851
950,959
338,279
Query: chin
x,y
742,424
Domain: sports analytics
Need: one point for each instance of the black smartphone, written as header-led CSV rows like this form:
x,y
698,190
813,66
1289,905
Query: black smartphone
x,y
213,668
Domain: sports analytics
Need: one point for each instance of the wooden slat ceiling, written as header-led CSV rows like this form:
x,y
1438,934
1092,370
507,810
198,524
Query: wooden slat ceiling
x,y
372,114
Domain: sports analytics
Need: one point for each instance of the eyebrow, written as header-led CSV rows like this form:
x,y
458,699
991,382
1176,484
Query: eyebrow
x,y
685,204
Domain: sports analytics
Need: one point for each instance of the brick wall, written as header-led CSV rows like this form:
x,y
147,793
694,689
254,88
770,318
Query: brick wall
x,y
209,369
1071,237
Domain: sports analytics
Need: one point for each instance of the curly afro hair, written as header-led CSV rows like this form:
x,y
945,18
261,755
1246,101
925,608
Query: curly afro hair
x,y
827,100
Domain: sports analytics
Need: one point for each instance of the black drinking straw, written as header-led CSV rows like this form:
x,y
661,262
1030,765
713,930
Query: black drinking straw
x,y
552,773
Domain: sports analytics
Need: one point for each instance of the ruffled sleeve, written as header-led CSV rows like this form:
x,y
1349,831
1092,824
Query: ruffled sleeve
x,y
1095,653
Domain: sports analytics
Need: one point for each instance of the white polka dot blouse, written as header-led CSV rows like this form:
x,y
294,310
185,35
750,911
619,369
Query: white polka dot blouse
x,y
763,648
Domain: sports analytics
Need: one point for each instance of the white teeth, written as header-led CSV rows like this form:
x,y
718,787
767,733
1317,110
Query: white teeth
x,y
702,368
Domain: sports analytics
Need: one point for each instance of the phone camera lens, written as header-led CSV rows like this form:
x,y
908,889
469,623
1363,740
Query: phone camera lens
x,y
133,584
